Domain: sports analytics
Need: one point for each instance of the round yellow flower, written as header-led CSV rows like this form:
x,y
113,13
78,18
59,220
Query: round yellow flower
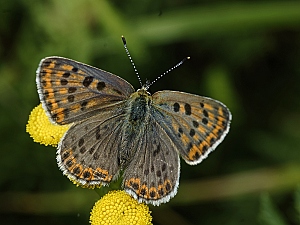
x,y
42,130
119,208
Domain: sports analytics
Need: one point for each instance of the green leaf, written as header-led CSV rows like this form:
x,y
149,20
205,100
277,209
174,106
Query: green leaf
x,y
297,202
269,215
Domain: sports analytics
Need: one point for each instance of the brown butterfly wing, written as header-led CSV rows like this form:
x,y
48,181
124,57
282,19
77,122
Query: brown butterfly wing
x,y
88,153
71,91
153,173
195,124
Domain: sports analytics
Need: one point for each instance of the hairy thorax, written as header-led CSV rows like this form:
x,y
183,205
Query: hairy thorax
x,y
134,124
138,108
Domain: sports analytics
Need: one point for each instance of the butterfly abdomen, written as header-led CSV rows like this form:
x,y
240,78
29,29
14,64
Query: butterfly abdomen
x,y
134,124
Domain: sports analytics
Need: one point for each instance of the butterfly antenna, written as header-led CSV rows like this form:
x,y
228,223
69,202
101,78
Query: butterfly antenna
x,y
168,71
131,61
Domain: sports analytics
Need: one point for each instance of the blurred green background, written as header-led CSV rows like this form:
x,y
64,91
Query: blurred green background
x,y
243,53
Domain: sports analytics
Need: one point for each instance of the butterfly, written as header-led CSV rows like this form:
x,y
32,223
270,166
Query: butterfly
x,y
115,129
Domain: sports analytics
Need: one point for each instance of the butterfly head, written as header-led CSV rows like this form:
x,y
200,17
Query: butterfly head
x,y
143,91
147,85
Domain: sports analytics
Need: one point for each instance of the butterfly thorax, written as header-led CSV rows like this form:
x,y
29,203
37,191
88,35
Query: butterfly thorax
x,y
138,106
135,123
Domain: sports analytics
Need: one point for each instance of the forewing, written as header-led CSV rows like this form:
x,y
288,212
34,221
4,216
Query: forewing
x,y
153,174
88,152
72,91
195,124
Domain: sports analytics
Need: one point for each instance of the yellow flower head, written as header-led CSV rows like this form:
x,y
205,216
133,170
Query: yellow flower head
x,y
119,208
42,130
